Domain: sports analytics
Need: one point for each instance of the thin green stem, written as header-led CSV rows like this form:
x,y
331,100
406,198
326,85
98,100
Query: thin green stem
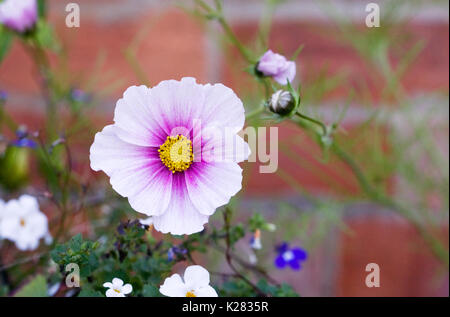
x,y
245,52
254,113
434,243
317,122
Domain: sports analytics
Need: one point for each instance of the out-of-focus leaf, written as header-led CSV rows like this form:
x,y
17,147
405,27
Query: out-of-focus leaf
x,y
5,42
89,292
46,37
37,287
151,291
42,6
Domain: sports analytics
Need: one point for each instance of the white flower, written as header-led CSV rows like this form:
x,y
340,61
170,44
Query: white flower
x,y
23,223
194,284
117,289
2,211
255,242
147,221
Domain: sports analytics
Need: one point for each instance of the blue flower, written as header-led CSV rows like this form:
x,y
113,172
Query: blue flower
x,y
23,140
174,252
290,257
3,95
79,95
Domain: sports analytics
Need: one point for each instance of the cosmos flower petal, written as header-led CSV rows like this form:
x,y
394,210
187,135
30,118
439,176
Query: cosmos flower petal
x,y
177,104
148,188
228,147
207,291
134,121
108,284
127,289
196,277
211,185
222,108
173,287
108,152
181,216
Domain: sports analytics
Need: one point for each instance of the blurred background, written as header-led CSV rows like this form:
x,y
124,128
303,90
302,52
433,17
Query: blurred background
x,y
393,79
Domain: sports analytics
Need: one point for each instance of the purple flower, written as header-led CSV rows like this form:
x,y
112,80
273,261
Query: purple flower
x,y
173,151
3,95
276,66
23,140
290,257
79,95
173,252
18,15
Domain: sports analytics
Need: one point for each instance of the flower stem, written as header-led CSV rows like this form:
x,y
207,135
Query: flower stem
x,y
434,243
254,113
317,122
228,256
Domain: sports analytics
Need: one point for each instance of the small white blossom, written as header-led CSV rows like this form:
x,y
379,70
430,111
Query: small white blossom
x,y
2,212
23,223
117,289
147,221
195,283
255,242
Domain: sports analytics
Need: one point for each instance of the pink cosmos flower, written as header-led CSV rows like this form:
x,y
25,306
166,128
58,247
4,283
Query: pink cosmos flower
x,y
276,66
18,15
173,151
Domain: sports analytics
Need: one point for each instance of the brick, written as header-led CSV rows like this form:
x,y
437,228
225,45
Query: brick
x,y
406,266
324,50
173,47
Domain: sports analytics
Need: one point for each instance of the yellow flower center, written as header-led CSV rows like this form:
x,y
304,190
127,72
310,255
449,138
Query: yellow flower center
x,y
116,290
22,222
176,153
190,294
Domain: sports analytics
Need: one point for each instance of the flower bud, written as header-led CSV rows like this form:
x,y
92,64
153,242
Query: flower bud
x,y
14,167
20,16
255,242
276,66
282,102
270,227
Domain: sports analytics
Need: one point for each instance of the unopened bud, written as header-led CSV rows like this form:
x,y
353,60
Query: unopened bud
x,y
282,102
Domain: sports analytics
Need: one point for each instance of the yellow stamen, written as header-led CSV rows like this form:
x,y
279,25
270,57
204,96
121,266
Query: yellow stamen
x,y
176,153
22,222
190,294
116,290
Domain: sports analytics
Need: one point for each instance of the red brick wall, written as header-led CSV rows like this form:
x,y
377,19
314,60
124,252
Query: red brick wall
x,y
173,45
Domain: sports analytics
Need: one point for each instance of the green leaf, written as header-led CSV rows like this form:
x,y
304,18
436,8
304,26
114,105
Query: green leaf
x,y
89,292
151,291
5,42
42,6
37,287
45,36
